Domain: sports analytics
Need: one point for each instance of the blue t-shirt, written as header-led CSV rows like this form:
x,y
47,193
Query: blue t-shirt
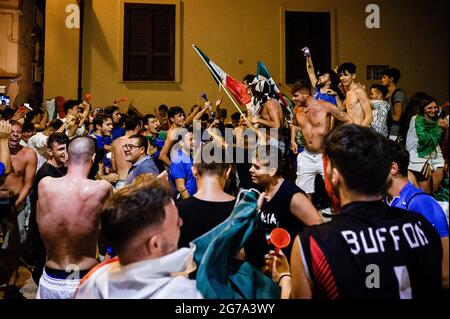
x,y
423,204
324,97
181,167
2,168
157,142
117,132
101,142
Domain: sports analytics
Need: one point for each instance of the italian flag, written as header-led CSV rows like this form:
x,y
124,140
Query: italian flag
x,y
238,89
263,71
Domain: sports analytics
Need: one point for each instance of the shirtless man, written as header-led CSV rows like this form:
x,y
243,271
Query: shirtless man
x,y
271,114
14,189
356,101
68,216
177,120
314,119
119,163
5,159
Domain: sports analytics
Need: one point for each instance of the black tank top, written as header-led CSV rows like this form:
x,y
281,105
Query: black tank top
x,y
370,250
275,213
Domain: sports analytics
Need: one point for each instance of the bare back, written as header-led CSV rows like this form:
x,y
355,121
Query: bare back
x,y
68,215
122,166
272,112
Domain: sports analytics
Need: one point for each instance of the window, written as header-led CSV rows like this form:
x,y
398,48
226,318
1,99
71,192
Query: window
x,y
149,42
307,29
375,72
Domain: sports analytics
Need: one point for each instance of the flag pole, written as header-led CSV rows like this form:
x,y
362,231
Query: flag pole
x,y
220,84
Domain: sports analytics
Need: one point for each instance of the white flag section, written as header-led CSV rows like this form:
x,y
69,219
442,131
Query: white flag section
x,y
219,71
404,284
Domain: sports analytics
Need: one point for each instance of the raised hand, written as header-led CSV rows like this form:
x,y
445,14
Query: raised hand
x,y
279,266
443,123
219,101
5,130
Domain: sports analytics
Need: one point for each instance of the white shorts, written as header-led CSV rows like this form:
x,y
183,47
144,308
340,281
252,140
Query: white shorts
x,y
308,166
52,288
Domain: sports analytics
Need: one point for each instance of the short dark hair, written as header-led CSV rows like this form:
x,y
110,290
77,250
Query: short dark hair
x,y
223,113
55,124
70,104
100,119
28,127
392,73
380,87
147,117
236,116
334,78
204,117
215,164
175,110
271,156
29,117
163,107
132,122
132,209
109,110
142,141
359,153
249,79
399,155
58,138
301,85
347,66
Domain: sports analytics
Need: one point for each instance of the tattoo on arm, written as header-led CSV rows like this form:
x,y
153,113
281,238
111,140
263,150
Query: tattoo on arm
x,y
340,115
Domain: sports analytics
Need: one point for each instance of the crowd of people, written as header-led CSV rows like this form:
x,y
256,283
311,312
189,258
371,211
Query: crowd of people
x,y
101,203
